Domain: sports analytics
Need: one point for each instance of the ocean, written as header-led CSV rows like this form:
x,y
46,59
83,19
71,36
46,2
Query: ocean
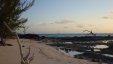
x,y
75,35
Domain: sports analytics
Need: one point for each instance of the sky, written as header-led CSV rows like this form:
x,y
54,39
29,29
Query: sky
x,y
70,16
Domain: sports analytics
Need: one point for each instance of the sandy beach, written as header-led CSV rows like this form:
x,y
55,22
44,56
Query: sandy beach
x,y
43,54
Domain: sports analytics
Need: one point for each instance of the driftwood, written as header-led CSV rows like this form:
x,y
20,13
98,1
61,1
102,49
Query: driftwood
x,y
26,59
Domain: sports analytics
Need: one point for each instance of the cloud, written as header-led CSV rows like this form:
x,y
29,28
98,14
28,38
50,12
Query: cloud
x,y
41,24
91,25
110,16
57,22
64,22
105,17
80,26
66,27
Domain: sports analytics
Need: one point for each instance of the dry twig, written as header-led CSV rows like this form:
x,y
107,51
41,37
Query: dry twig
x,y
26,59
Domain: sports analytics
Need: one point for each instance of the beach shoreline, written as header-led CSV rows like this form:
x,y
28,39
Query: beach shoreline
x,y
43,54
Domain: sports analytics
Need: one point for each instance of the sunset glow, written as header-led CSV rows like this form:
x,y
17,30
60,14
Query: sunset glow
x,y
70,16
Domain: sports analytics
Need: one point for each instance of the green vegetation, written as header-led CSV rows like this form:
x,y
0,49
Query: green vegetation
x,y
10,14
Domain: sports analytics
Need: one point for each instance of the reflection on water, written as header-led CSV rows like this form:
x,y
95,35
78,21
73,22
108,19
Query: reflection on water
x,y
96,55
101,46
107,41
70,52
108,55
95,50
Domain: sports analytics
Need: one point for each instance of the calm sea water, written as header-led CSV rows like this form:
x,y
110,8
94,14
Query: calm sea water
x,y
74,35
